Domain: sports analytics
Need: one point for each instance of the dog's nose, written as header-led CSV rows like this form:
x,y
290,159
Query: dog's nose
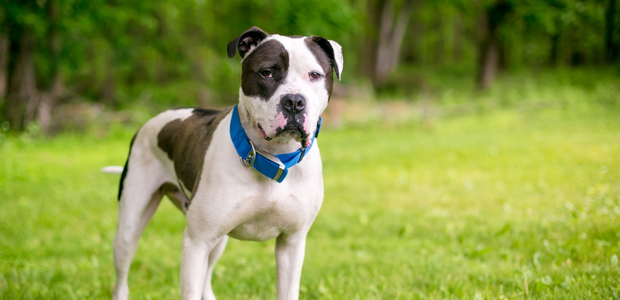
x,y
293,103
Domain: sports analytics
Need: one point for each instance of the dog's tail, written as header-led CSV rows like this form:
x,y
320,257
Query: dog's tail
x,y
112,169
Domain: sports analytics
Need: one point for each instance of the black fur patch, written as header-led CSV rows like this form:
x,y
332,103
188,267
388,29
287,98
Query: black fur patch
x,y
324,54
187,141
124,174
202,113
250,38
268,56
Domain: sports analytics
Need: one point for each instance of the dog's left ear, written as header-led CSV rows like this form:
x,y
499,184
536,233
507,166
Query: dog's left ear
x,y
244,43
334,52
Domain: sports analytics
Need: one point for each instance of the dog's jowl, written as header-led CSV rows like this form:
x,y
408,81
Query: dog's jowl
x,y
251,172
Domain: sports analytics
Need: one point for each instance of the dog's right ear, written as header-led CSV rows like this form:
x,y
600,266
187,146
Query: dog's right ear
x,y
244,43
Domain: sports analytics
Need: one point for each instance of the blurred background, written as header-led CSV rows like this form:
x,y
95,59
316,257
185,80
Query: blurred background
x,y
62,60
469,152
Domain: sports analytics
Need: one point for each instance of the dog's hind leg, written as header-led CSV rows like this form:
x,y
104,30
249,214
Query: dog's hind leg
x,y
207,293
138,202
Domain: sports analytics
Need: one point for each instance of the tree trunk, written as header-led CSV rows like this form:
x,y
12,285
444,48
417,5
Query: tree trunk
x,y
410,52
502,53
611,51
108,92
484,64
438,55
391,36
457,49
369,44
22,90
490,57
555,47
4,64
488,62
50,97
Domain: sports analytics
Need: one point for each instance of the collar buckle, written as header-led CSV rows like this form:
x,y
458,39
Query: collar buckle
x,y
250,159
278,175
275,161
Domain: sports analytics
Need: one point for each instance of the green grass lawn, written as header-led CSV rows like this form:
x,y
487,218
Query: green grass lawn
x,y
503,204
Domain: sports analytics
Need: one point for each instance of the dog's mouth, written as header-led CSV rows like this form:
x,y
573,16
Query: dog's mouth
x,y
293,130
262,132
290,130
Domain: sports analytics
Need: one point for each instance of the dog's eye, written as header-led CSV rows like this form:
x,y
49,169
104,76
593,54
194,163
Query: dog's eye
x,y
315,75
266,73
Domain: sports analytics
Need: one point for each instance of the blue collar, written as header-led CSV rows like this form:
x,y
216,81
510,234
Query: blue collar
x,y
275,167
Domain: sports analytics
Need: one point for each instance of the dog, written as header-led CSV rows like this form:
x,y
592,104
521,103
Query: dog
x,y
251,172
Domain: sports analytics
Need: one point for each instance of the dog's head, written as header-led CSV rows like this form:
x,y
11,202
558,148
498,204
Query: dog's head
x,y
286,82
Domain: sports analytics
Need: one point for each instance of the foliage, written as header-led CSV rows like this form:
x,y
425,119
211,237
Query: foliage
x,y
116,51
144,44
528,33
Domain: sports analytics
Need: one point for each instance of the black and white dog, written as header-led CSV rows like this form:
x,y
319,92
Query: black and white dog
x,y
251,172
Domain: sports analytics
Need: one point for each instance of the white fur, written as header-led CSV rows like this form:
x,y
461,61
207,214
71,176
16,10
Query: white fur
x,y
339,60
230,199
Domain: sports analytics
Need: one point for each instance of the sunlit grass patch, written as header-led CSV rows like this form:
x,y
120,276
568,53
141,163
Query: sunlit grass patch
x,y
509,203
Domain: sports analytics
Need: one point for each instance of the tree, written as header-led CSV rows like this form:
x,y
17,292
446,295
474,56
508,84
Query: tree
x,y
611,48
382,48
489,45
4,64
27,25
391,35
21,23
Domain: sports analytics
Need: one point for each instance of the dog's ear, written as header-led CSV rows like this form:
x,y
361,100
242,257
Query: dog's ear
x,y
244,43
333,51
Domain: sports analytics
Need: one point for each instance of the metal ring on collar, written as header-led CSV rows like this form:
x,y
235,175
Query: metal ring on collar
x,y
251,158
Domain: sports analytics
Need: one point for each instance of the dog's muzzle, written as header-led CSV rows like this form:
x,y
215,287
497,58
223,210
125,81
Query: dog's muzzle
x,y
293,108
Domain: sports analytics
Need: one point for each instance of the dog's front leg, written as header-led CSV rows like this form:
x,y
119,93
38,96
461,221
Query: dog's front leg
x,y
289,260
194,260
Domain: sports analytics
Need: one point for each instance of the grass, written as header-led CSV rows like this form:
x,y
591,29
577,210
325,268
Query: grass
x,y
502,204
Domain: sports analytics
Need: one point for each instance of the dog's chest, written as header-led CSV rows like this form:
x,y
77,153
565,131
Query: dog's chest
x,y
270,217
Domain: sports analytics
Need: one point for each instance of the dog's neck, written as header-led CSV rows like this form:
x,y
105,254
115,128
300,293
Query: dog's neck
x,y
273,147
